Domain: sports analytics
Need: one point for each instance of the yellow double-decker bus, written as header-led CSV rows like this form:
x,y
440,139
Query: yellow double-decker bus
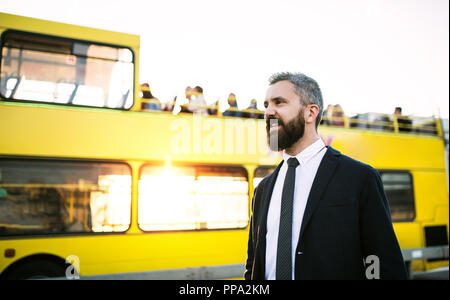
x,y
90,184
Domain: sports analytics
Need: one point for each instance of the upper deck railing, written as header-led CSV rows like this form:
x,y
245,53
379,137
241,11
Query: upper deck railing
x,y
372,121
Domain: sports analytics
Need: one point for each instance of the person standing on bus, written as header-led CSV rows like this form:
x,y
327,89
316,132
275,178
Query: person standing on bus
x,y
320,214
198,105
404,123
252,111
233,110
188,94
152,103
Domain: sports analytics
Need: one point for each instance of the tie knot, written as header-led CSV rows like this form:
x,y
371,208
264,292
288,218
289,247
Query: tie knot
x,y
293,162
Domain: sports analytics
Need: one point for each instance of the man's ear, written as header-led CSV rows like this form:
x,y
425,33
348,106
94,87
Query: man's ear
x,y
311,113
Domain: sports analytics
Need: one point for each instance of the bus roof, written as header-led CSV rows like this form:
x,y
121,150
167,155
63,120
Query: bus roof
x,y
15,22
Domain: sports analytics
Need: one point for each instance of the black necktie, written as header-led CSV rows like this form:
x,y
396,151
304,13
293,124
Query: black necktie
x,y
284,247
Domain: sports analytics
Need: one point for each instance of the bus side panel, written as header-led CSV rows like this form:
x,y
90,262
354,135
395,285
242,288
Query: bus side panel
x,y
430,195
117,253
432,209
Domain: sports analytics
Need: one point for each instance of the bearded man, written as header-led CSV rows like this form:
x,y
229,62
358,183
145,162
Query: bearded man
x,y
320,214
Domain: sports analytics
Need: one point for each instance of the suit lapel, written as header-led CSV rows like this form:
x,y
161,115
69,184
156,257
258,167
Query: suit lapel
x,y
324,174
267,195
260,250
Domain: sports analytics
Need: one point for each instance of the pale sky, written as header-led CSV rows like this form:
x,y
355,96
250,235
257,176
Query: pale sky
x,y
367,55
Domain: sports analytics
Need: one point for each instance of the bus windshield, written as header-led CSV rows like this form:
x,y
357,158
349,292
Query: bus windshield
x,y
55,70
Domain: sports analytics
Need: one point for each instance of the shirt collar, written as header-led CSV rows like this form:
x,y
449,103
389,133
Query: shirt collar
x,y
309,152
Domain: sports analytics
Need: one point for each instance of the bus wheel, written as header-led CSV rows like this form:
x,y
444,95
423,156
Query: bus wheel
x,y
35,269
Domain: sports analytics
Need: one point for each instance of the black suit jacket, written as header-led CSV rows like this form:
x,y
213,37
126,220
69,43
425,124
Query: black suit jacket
x,y
346,220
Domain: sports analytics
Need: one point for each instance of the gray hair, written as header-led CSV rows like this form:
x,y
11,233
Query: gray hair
x,y
306,87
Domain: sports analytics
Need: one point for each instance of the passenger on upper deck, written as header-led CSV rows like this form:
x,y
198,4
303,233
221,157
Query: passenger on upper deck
x,y
253,112
188,94
233,110
150,102
404,123
337,116
327,112
197,105
383,122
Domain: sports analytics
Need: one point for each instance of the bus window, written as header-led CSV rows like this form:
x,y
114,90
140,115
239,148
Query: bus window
x,y
56,70
399,192
192,197
41,197
397,185
260,173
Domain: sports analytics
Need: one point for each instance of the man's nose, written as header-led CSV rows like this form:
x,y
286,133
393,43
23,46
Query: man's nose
x,y
270,111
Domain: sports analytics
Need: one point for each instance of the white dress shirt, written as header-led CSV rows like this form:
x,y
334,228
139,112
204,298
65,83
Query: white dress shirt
x,y
305,173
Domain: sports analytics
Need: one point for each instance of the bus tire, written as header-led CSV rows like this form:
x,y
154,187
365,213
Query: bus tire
x,y
35,268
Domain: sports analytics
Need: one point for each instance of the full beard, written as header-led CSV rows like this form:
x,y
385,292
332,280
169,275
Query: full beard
x,y
287,134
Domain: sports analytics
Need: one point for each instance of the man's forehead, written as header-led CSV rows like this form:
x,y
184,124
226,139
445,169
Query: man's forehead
x,y
284,89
